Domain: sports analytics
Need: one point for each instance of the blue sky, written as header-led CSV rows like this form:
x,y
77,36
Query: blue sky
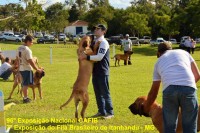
x,y
115,3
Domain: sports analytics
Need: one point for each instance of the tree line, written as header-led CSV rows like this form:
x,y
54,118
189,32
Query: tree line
x,y
165,18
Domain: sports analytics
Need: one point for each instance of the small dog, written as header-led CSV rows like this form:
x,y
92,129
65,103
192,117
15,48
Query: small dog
x,y
37,79
137,108
124,57
80,86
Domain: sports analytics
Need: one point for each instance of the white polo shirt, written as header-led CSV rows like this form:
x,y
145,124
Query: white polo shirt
x,y
174,68
5,66
127,44
24,54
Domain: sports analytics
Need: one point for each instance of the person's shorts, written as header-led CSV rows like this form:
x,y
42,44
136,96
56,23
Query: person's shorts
x,y
27,78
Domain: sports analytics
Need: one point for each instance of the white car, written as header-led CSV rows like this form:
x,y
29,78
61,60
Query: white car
x,y
9,36
157,41
173,41
61,37
134,40
197,40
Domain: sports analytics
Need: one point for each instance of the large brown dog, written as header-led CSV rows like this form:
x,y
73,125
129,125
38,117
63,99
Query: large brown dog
x,y
155,113
124,57
37,79
80,86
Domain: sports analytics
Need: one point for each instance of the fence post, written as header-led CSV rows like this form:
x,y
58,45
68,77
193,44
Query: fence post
x,y
2,118
113,50
51,52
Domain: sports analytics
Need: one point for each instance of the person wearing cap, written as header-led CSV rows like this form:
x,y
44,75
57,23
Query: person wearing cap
x,y
26,66
100,75
178,72
127,44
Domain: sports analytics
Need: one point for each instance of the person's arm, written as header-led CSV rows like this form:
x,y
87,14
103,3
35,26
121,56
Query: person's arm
x,y
103,48
131,44
152,95
30,60
101,53
32,63
195,71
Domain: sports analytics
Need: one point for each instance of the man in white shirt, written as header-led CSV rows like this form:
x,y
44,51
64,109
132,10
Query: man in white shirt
x,y
127,44
179,73
6,69
26,66
188,44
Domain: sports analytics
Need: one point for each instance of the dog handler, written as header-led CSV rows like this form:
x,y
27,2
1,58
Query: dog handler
x,y
100,77
179,73
127,44
26,64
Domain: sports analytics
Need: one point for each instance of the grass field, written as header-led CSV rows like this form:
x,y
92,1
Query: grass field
x,y
126,84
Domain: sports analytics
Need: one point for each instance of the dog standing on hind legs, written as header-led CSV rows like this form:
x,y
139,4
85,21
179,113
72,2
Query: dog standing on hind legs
x,y
80,92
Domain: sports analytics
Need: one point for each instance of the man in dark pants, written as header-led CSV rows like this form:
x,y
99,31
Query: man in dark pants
x,y
100,76
178,72
127,44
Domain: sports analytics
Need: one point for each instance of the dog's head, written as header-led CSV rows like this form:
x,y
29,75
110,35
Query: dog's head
x,y
129,53
137,108
85,42
40,73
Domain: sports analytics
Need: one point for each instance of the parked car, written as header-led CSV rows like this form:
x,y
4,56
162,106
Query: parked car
x,y
61,37
115,39
9,36
38,35
157,41
81,34
145,40
173,41
46,38
134,40
22,36
197,40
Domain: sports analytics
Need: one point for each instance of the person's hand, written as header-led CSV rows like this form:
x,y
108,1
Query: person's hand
x,y
82,56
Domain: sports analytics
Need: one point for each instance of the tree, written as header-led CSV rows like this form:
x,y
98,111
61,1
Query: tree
x,y
73,13
57,17
97,3
136,24
31,17
99,15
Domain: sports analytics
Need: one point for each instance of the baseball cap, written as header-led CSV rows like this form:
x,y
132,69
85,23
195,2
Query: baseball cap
x,y
127,34
101,26
162,47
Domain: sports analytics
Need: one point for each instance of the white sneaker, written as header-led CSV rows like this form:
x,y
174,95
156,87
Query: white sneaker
x,y
108,116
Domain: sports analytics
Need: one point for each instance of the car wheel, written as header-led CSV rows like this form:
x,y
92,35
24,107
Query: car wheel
x,y
17,40
4,39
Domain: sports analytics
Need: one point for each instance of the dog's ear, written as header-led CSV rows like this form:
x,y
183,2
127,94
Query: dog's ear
x,y
141,110
85,44
37,74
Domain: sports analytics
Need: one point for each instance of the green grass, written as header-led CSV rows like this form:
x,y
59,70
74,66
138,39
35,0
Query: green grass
x,y
126,84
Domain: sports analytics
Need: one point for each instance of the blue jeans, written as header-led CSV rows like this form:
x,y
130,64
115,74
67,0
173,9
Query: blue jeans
x,y
102,93
5,75
185,97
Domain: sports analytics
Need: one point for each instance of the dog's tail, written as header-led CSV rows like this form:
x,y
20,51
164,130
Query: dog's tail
x,y
69,100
